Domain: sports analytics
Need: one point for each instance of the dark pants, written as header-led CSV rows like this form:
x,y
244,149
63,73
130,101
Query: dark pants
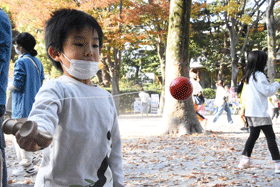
x,y
275,113
197,113
270,138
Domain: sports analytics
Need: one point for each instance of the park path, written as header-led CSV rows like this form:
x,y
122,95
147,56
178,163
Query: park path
x,y
207,159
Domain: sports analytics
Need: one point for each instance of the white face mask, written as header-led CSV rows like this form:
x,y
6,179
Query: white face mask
x,y
82,69
18,51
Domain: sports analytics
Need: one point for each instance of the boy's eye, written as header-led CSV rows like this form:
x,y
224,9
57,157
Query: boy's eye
x,y
95,46
79,44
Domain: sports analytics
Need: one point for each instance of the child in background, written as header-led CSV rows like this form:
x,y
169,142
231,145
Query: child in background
x,y
221,101
242,110
273,100
197,90
79,115
258,90
144,96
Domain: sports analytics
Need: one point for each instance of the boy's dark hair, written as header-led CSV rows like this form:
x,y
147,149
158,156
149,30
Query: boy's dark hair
x,y
61,23
27,41
256,61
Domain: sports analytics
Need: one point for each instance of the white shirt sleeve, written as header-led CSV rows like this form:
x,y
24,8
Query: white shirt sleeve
x,y
46,107
257,93
263,86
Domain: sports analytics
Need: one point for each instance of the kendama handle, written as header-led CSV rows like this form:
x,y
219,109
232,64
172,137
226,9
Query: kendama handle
x,y
11,126
29,130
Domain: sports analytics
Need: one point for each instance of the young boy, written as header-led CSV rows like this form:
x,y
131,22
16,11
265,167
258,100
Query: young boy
x,y
81,117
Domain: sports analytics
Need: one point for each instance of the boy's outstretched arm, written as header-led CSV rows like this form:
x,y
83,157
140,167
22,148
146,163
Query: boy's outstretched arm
x,y
44,113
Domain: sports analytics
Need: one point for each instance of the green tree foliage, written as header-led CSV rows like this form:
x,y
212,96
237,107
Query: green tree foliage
x,y
139,61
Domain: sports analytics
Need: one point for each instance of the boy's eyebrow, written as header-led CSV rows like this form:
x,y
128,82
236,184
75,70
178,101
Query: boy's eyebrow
x,y
80,37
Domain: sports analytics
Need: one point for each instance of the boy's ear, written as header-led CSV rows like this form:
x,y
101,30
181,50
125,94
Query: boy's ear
x,y
54,54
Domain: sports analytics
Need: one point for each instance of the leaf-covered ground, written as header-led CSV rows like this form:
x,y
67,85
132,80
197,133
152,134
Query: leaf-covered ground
x,y
196,160
208,159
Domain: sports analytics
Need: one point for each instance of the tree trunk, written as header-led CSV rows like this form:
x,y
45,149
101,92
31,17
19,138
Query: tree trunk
x,y
222,64
114,69
179,114
161,48
220,72
106,79
136,77
234,73
271,37
234,59
242,65
115,78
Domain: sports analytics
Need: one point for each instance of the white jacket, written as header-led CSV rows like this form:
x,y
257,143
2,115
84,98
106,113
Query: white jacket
x,y
257,93
220,94
86,139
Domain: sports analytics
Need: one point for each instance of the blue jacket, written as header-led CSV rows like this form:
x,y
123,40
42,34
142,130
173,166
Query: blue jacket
x,y
27,81
5,53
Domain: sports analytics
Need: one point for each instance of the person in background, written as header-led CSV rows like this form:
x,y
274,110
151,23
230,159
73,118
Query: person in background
x,y
221,102
273,102
242,108
144,96
197,90
5,54
28,78
228,95
258,89
232,94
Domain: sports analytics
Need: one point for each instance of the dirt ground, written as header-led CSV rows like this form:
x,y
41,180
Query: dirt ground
x,y
207,159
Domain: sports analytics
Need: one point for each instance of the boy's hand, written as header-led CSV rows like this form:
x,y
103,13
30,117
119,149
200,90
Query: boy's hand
x,y
27,143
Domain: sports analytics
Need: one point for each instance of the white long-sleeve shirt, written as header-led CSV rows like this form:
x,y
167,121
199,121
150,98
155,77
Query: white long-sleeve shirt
x,y
86,139
144,97
196,87
220,94
257,93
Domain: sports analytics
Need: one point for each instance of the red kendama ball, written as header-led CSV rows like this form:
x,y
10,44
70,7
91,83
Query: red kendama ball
x,y
181,88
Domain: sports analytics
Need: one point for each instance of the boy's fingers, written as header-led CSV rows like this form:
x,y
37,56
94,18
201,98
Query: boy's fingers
x,y
28,144
32,146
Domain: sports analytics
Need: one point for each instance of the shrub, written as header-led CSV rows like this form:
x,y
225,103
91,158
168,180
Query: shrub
x,y
127,98
209,93
277,80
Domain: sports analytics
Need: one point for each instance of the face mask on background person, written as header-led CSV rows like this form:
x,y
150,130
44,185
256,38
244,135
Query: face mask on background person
x,y
17,50
82,69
